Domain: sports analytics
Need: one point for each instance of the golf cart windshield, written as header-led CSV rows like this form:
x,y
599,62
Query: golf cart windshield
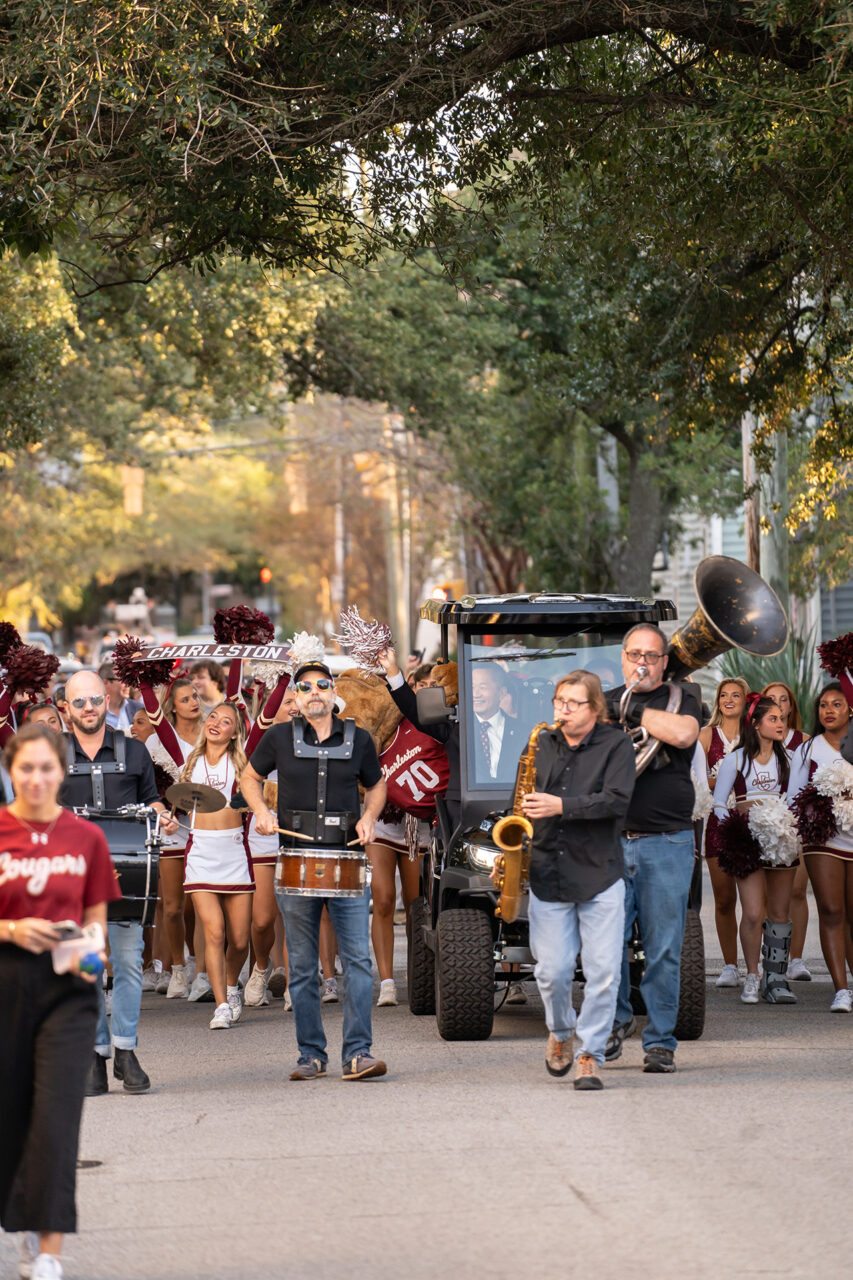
x,y
507,685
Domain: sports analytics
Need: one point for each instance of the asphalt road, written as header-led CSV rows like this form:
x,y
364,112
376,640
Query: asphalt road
x,y
468,1158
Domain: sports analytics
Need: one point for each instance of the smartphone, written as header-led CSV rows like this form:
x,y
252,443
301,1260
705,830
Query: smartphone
x,y
67,930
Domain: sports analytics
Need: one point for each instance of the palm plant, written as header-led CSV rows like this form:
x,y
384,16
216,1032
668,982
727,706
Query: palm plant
x,y
796,666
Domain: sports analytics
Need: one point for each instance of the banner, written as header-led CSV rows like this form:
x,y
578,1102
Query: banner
x,y
217,652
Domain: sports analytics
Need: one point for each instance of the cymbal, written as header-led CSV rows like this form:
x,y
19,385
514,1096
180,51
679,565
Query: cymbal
x,y
195,795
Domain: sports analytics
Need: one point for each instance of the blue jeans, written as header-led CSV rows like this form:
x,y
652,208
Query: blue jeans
x,y
126,957
658,870
558,930
351,920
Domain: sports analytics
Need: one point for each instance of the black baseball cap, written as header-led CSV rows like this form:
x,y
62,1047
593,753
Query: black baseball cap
x,y
312,666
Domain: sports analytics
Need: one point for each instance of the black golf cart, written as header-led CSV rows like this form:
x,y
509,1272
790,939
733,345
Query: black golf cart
x,y
460,952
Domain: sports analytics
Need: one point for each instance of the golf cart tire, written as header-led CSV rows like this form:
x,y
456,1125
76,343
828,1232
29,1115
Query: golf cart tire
x,y
421,963
464,975
691,1003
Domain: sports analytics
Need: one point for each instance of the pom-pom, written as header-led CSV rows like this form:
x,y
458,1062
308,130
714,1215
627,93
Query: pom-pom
x,y
269,673
775,829
836,656
703,801
815,817
739,851
9,640
29,670
834,780
304,647
242,625
363,640
130,672
163,779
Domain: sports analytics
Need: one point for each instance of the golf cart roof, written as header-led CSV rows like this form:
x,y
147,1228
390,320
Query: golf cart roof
x,y
545,608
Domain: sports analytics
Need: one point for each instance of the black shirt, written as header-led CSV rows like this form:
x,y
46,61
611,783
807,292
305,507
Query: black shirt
x,y
663,797
297,775
136,785
579,855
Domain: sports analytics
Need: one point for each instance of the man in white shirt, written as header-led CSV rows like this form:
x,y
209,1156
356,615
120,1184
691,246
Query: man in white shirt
x,y
493,730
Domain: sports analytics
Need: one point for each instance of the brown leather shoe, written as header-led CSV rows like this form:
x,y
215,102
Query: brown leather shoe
x,y
558,1056
586,1073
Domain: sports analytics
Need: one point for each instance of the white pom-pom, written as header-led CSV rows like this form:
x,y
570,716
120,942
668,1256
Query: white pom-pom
x,y
835,780
774,827
703,801
843,811
304,647
363,640
269,673
160,755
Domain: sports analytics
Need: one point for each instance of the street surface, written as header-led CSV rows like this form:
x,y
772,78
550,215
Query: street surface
x,y
468,1158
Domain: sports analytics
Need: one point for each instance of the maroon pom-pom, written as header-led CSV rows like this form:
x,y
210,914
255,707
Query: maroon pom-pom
x,y
163,779
9,640
242,625
130,672
836,656
738,850
816,821
29,670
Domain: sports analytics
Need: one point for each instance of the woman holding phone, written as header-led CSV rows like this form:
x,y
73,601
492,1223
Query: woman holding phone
x,y
54,868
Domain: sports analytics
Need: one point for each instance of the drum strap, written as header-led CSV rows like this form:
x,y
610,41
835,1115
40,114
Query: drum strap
x,y
97,768
323,754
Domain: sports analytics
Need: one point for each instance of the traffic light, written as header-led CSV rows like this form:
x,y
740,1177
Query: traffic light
x,y
266,575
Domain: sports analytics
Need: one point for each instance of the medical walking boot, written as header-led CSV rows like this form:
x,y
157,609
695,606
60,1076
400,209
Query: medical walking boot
x,y
775,950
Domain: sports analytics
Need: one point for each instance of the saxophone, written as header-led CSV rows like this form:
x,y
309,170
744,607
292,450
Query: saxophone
x,y
512,834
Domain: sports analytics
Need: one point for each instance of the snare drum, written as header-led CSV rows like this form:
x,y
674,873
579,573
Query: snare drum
x,y
322,873
137,865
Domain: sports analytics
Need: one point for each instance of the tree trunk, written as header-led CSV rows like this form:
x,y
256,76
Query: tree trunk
x,y
648,511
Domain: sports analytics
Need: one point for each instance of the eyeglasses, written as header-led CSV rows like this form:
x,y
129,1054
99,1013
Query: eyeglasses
x,y
637,655
305,686
570,704
79,703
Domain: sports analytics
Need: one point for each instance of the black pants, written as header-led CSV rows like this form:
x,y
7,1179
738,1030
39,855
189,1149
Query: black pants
x,y
47,1034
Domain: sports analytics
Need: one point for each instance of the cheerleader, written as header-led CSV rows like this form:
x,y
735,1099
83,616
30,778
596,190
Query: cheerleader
x,y
218,864
784,698
754,771
718,739
829,865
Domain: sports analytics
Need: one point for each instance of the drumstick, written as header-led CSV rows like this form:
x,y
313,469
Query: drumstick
x,y
298,835
352,842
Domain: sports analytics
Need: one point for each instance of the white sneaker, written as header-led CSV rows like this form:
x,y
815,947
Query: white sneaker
x,y
516,994
46,1267
221,1019
288,1003
843,1002
201,988
749,995
728,977
149,978
256,993
330,991
387,992
797,971
191,969
163,980
29,1253
178,988
108,1000
235,1004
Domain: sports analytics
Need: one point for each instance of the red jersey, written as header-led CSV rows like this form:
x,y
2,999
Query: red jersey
x,y
415,769
57,880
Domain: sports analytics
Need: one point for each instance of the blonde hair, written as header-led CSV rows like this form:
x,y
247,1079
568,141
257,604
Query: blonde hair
x,y
592,684
716,714
167,698
235,746
795,720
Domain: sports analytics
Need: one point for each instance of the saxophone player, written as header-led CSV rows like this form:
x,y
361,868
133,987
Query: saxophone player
x,y
584,778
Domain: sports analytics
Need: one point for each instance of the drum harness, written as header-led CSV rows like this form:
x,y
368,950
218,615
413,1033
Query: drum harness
x,y
97,769
315,822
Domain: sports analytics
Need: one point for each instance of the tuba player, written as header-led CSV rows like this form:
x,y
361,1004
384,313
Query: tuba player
x,y
585,777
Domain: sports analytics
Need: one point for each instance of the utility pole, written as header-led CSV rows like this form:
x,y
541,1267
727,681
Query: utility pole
x,y
774,507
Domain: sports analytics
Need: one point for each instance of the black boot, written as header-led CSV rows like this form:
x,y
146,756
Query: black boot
x,y
127,1069
97,1082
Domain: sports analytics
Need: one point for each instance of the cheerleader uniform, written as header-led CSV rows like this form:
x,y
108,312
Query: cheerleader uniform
x,y
811,755
160,755
756,783
794,739
719,749
218,861
263,850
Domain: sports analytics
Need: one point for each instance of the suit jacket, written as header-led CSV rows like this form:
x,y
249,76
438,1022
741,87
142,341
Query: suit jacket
x,y
513,743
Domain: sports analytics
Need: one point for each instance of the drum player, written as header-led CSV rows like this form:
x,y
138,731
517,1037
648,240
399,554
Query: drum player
x,y
320,760
105,770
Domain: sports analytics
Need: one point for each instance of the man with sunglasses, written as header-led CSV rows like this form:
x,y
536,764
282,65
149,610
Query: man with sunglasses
x,y
107,769
321,760
657,843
